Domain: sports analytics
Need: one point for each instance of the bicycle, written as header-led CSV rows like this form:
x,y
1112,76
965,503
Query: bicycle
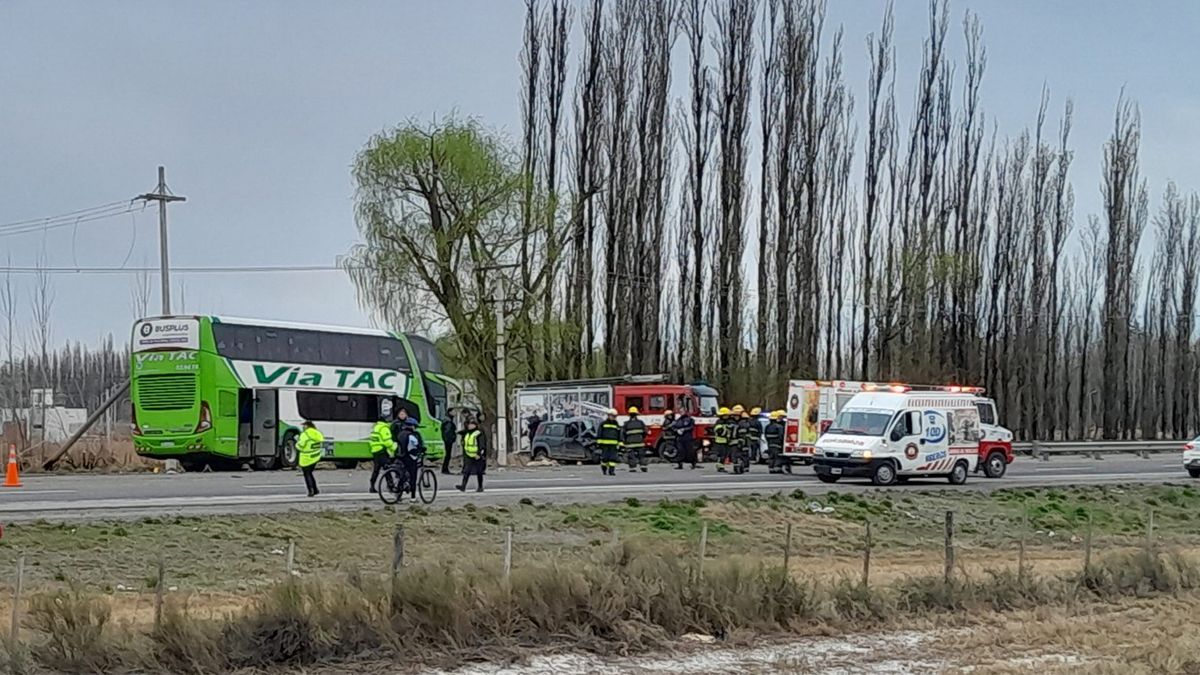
x,y
395,485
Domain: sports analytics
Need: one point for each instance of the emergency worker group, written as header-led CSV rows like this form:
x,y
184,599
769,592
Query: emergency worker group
x,y
738,436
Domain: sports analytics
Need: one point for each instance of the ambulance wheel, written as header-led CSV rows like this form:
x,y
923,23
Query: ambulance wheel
x,y
885,474
826,478
995,466
958,475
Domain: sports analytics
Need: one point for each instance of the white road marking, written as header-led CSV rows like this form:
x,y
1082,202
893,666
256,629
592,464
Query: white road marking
x,y
21,491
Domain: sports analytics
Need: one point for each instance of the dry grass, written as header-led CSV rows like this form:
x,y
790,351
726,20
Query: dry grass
x,y
626,597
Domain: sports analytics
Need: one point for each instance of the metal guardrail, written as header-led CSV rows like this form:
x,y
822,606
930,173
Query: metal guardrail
x,y
1044,449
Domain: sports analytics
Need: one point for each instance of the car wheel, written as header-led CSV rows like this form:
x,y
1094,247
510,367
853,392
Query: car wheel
x,y
826,478
1194,472
885,474
958,475
541,453
995,466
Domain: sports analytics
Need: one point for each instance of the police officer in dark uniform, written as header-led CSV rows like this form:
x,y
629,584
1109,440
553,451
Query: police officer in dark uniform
x,y
685,439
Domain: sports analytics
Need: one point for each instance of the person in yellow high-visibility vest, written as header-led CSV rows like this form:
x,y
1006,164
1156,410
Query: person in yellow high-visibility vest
x,y
383,449
309,446
475,449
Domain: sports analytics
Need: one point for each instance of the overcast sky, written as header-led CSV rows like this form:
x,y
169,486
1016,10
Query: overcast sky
x,y
258,108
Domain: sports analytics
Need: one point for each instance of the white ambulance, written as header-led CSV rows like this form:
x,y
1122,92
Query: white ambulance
x,y
893,433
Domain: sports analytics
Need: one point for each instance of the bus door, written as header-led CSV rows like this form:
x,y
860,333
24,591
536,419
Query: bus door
x,y
265,420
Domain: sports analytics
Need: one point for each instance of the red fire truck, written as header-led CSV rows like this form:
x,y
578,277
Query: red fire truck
x,y
652,395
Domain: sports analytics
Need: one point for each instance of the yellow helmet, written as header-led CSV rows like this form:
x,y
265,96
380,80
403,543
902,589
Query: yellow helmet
x,y
756,411
633,410
738,409
777,414
723,411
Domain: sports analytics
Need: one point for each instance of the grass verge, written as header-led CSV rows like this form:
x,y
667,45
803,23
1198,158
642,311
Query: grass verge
x,y
630,596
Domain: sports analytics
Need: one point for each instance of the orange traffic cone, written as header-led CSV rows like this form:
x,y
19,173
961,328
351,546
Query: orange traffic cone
x,y
12,477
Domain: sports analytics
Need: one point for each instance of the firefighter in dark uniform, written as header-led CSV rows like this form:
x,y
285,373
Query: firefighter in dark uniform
x,y
722,437
609,440
741,443
754,444
667,437
774,434
633,440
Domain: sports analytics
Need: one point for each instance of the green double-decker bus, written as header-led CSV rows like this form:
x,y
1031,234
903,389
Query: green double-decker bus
x,y
226,392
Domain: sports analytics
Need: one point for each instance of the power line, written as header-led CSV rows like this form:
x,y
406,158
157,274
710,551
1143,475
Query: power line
x,y
249,269
70,215
47,224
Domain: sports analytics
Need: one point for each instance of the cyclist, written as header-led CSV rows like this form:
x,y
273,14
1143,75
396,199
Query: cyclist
x,y
411,452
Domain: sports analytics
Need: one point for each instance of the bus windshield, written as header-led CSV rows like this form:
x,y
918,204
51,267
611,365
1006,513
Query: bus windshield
x,y
860,423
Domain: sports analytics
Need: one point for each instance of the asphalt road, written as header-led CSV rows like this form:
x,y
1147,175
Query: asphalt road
x,y
73,497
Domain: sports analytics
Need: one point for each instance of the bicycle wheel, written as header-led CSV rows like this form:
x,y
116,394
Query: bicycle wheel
x,y
391,485
427,486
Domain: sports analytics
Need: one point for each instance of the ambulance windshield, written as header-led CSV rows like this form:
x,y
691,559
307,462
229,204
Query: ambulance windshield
x,y
860,423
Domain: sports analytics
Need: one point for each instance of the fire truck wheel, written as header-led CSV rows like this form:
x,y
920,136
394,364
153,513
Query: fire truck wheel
x,y
958,475
995,466
885,474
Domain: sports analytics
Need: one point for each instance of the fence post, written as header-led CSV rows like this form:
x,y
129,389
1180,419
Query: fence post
x,y
1021,550
949,572
787,549
397,551
508,554
291,558
158,594
1150,530
703,547
16,607
1087,546
397,564
866,578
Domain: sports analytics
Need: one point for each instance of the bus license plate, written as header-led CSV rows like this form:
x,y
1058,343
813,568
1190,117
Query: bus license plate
x,y
837,470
